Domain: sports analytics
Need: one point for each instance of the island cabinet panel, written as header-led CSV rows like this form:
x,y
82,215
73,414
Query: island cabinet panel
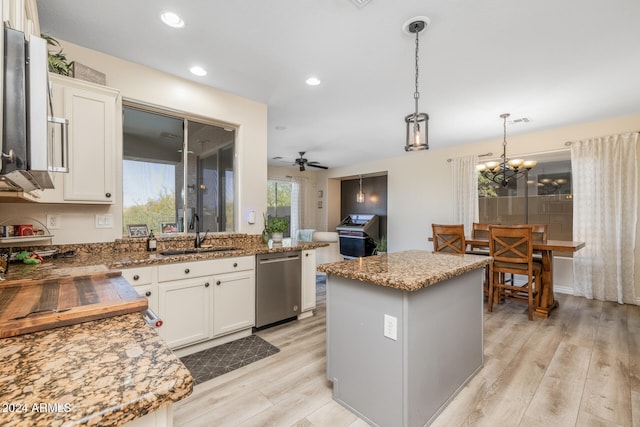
x,y
408,380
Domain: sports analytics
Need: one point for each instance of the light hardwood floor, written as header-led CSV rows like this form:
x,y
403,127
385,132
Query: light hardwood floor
x,y
580,367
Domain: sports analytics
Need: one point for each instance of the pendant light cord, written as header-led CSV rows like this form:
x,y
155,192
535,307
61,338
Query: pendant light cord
x,y
416,94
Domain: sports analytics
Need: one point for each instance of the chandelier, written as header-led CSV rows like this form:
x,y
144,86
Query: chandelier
x,y
417,123
506,170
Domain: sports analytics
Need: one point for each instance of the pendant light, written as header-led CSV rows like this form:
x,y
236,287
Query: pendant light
x,y
360,195
417,123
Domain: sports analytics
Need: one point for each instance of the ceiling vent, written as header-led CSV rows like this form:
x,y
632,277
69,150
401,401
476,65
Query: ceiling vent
x,y
520,120
361,3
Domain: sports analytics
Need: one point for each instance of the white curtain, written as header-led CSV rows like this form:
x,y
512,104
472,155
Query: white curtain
x,y
604,217
298,190
464,177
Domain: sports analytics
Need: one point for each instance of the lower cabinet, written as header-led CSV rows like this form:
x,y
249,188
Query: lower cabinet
x,y
142,280
308,280
202,300
233,302
185,309
205,300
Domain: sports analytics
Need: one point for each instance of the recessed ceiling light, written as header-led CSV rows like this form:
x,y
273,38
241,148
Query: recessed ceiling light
x,y
198,70
313,81
172,19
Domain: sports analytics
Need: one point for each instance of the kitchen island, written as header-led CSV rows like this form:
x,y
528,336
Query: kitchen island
x,y
404,333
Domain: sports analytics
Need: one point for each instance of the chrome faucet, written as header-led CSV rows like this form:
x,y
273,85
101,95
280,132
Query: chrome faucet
x,y
195,224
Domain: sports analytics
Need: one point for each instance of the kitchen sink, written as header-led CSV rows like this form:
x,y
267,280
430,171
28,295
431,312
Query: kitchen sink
x,y
180,252
196,251
218,249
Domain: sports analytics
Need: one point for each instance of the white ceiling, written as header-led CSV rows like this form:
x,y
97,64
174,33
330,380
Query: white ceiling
x,y
555,62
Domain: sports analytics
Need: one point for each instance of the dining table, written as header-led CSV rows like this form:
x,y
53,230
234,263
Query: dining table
x,y
546,249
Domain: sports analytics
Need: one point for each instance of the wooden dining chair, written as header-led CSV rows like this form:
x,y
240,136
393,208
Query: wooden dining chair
x,y
481,231
449,238
538,234
511,247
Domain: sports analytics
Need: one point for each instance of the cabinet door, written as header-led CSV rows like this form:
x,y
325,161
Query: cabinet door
x,y
151,292
308,280
184,307
91,114
233,302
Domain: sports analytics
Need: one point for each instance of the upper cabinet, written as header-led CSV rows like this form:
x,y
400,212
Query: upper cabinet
x,y
95,131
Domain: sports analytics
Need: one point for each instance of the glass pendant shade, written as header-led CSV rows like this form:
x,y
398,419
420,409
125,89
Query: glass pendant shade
x,y
417,132
360,195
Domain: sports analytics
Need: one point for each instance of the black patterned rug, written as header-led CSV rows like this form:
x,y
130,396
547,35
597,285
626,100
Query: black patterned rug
x,y
210,363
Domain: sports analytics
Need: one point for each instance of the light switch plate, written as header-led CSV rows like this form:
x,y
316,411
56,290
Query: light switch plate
x,y
104,221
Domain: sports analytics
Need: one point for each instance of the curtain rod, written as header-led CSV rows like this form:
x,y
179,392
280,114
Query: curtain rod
x,y
479,155
569,143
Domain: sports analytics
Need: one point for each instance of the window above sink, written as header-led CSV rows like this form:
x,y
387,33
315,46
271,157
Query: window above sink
x,y
175,166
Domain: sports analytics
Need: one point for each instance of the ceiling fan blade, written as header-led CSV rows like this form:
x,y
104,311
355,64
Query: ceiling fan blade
x,y
317,166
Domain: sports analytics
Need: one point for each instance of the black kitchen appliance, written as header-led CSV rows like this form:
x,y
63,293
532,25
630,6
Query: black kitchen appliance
x,y
358,234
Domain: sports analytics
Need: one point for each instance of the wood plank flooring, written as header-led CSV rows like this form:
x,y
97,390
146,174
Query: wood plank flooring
x,y
580,367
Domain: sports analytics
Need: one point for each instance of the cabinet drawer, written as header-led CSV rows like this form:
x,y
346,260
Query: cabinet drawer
x,y
229,265
138,276
184,270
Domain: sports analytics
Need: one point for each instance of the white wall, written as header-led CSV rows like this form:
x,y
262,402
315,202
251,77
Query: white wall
x,y
420,192
142,84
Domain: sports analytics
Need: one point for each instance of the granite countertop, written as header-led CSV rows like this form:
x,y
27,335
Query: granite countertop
x,y
108,258
105,372
408,270
108,371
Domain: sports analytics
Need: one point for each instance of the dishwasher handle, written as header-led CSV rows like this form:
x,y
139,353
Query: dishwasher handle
x,y
279,259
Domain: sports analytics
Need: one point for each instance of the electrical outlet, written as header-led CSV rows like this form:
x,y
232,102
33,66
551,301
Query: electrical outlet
x,y
391,327
53,222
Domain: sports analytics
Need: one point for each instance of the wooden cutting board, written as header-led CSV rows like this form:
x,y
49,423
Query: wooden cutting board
x,y
28,305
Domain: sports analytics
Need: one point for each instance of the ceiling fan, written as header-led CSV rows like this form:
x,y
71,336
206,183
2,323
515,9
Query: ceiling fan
x,y
302,162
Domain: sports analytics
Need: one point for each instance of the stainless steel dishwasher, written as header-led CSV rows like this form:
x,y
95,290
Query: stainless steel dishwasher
x,y
278,287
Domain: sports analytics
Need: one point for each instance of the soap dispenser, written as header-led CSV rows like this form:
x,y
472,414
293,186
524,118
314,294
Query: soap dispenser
x,y
152,244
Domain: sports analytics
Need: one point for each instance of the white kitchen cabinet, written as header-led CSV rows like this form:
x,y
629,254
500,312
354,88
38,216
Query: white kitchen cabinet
x,y
142,280
308,280
233,302
185,309
95,132
201,300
